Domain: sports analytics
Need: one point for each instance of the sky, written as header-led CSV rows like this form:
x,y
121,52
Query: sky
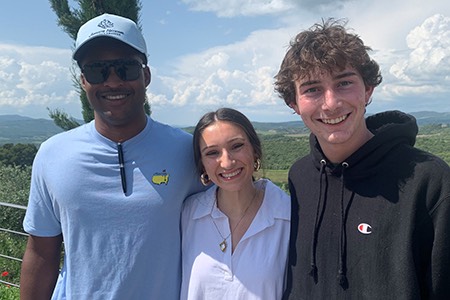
x,y
207,54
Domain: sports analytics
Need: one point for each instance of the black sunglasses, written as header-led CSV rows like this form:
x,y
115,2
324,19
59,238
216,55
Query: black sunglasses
x,y
98,72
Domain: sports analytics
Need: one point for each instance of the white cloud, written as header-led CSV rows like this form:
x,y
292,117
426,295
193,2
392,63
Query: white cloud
x,y
430,45
233,8
239,75
35,77
423,70
385,24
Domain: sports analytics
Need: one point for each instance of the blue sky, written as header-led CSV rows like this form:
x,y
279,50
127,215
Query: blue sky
x,y
207,54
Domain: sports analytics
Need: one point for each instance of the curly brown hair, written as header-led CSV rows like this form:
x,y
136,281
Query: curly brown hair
x,y
325,46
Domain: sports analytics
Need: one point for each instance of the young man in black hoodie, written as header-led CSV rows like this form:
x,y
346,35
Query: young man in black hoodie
x,y
370,213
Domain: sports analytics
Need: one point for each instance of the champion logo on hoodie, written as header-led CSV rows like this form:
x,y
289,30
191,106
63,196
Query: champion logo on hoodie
x,y
365,228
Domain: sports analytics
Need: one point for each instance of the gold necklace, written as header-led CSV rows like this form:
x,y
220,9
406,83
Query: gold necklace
x,y
223,245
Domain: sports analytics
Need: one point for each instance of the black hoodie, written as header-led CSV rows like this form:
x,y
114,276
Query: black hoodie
x,y
376,226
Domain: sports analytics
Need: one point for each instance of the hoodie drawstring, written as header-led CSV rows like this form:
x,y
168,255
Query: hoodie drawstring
x,y
313,270
342,272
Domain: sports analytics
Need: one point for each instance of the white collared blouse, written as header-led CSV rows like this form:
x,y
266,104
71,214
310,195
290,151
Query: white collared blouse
x,y
256,269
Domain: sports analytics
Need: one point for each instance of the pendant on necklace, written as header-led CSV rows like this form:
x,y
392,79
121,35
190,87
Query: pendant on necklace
x,y
223,246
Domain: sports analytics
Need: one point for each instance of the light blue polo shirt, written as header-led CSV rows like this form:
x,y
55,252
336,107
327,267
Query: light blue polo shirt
x,y
117,246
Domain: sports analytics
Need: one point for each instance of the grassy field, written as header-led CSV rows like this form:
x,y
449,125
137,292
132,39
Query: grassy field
x,y
9,292
274,175
279,177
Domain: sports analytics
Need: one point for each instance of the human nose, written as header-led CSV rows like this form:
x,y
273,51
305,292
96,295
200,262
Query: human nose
x,y
226,161
331,100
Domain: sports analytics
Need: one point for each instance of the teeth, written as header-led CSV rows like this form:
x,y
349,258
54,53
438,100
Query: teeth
x,y
115,97
334,121
229,175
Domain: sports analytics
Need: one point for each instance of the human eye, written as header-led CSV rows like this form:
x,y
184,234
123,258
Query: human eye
x,y
344,83
308,86
237,146
96,72
311,90
310,93
210,153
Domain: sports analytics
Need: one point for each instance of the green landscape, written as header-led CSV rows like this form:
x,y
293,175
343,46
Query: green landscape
x,y
283,143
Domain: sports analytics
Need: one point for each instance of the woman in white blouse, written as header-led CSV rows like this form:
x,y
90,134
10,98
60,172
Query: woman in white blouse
x,y
235,234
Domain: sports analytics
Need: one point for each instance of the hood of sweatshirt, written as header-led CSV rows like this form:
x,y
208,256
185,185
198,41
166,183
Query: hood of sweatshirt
x,y
391,129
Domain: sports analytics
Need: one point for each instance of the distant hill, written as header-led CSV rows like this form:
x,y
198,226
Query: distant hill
x,y
292,127
19,129
431,117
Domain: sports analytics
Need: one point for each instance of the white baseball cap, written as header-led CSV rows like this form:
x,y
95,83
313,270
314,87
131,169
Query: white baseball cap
x,y
112,26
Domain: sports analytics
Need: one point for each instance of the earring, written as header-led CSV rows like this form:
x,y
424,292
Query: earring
x,y
257,165
204,178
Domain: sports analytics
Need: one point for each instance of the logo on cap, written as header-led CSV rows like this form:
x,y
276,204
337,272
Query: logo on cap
x,y
105,24
365,228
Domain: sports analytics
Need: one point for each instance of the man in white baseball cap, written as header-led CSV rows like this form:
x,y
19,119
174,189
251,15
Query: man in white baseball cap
x,y
97,187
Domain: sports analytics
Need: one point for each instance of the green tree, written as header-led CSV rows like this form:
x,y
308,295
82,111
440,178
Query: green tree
x,y
14,189
280,151
62,119
70,20
17,154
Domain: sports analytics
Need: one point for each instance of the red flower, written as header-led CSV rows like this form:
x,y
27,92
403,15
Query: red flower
x,y
5,273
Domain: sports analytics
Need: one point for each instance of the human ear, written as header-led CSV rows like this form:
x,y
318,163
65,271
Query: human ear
x,y
295,107
83,82
368,94
147,76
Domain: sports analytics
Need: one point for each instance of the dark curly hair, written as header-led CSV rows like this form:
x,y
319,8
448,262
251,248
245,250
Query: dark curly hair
x,y
325,46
